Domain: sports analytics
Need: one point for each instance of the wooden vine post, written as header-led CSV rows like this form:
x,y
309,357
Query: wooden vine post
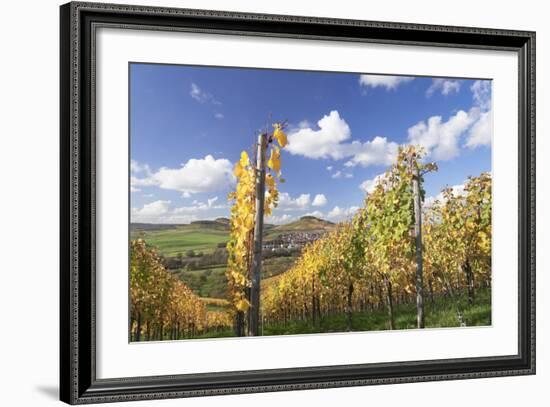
x,y
418,170
254,197
254,312
417,202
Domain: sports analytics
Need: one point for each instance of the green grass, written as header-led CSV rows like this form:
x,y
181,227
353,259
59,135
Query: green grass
x,y
440,314
172,242
211,281
207,281
226,333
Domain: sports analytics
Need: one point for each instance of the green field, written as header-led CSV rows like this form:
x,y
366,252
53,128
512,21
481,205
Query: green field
x,y
205,237
172,242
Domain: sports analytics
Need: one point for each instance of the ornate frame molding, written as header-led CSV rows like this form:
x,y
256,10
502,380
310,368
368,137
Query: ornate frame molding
x,y
77,176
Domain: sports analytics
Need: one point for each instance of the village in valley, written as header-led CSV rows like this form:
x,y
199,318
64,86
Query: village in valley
x,y
196,252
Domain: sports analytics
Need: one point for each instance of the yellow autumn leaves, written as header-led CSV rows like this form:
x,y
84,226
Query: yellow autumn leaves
x,y
160,301
242,224
274,161
241,165
240,244
279,135
374,252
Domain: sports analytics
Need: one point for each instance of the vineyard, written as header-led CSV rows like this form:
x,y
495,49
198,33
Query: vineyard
x,y
162,307
398,255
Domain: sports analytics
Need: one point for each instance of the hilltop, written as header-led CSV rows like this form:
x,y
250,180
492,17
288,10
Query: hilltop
x,y
195,252
216,224
304,224
208,235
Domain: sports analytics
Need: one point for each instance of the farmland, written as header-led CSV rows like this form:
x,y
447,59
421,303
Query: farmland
x,y
180,239
195,252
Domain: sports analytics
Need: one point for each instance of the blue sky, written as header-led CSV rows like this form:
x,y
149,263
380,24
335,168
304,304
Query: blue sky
x,y
188,126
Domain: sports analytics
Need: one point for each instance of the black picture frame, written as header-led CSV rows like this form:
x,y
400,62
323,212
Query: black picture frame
x,y
78,382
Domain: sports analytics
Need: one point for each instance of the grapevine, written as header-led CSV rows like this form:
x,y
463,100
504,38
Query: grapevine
x,y
240,243
368,262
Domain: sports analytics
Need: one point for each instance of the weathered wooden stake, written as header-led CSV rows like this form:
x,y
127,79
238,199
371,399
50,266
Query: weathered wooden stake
x,y
254,322
418,243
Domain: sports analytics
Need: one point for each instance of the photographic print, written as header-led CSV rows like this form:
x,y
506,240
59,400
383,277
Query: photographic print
x,y
279,202
226,188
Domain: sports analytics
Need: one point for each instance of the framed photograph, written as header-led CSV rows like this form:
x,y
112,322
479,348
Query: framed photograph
x,y
254,203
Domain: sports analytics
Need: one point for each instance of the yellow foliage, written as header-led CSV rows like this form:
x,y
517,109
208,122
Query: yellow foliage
x,y
242,219
275,160
279,135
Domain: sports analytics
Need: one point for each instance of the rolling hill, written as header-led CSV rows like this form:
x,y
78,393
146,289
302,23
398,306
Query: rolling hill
x,y
304,224
194,246
172,240
207,235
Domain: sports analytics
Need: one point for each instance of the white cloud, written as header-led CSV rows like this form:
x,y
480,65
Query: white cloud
x,y
338,213
219,116
329,168
429,201
322,143
445,86
443,139
457,190
481,92
141,182
329,141
386,81
304,124
482,131
201,96
200,207
280,219
135,182
379,151
302,202
197,94
287,203
369,184
439,138
317,214
152,209
211,201
319,200
136,168
161,212
340,174
196,175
